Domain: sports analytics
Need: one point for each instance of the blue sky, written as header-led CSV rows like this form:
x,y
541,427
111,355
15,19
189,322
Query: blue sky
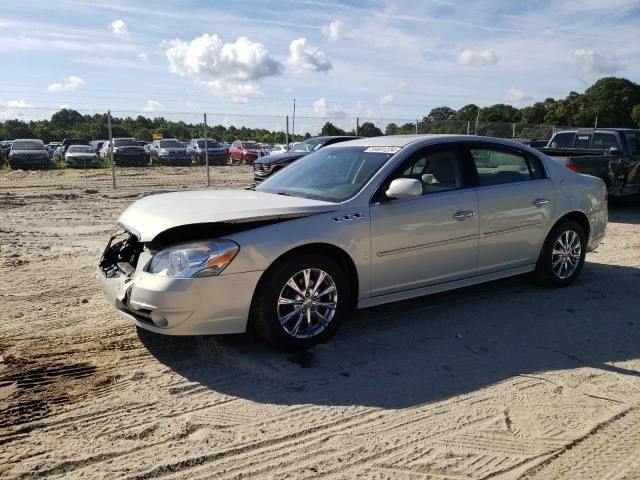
x,y
387,59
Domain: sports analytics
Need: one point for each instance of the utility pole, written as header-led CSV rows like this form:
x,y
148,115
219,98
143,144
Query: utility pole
x,y
286,138
113,165
477,119
357,125
293,120
596,125
206,150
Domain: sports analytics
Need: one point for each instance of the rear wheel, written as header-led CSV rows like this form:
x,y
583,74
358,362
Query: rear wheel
x,y
562,256
301,302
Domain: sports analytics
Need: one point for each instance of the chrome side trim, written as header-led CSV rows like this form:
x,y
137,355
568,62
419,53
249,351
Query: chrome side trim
x,y
428,245
509,230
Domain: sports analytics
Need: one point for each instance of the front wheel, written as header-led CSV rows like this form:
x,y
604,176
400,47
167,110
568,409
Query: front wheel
x,y
301,302
562,256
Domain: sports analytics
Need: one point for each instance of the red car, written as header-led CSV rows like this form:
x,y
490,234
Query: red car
x,y
245,152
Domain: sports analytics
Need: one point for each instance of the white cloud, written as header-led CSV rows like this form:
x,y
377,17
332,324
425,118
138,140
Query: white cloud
x,y
119,28
334,31
19,104
152,106
594,62
143,56
323,109
386,99
477,57
70,84
229,68
303,57
515,95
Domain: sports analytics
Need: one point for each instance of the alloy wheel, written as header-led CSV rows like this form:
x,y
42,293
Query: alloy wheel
x,y
307,303
566,254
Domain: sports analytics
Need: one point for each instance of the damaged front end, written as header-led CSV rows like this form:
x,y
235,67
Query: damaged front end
x,y
120,257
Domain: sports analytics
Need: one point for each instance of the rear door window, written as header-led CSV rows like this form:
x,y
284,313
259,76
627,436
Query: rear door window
x,y
604,140
500,165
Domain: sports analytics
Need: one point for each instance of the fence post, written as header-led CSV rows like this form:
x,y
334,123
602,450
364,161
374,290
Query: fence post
x,y
113,165
416,126
513,130
357,126
206,150
286,137
468,127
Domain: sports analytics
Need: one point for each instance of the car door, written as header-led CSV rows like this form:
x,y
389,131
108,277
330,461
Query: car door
x,y
428,239
515,200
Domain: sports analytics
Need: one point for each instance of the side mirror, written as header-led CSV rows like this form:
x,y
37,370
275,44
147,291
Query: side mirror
x,y
404,188
614,151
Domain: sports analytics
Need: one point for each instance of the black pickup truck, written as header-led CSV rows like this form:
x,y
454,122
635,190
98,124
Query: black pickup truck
x,y
612,154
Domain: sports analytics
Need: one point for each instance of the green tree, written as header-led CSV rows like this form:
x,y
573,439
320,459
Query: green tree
x,y
368,129
612,100
391,129
330,129
467,113
635,114
441,114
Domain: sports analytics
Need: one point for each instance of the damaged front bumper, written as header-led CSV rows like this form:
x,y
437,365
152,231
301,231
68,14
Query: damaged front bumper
x,y
175,306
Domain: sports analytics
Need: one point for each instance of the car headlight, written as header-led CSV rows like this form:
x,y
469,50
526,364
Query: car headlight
x,y
190,260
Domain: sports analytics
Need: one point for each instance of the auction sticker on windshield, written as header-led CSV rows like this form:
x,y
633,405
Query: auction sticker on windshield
x,y
382,150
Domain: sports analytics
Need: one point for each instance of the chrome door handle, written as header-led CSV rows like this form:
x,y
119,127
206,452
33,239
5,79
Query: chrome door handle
x,y
538,202
462,214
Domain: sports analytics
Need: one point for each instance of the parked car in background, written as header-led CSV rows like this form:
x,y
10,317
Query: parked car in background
x,y
278,149
360,223
59,153
612,154
226,146
5,148
98,144
245,153
169,151
82,156
216,152
28,153
52,147
266,166
126,152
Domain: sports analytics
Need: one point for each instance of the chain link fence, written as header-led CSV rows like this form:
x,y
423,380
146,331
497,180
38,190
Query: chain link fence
x,y
174,150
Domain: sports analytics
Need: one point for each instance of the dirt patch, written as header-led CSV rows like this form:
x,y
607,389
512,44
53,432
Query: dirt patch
x,y
505,380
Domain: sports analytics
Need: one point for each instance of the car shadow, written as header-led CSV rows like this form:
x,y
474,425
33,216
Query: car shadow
x,y
430,348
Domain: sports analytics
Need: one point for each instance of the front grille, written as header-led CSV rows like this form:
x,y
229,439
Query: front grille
x,y
262,168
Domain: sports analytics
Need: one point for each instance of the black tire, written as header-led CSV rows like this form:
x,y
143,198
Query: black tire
x,y
264,315
544,273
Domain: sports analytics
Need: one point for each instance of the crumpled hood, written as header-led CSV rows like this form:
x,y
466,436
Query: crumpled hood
x,y
154,214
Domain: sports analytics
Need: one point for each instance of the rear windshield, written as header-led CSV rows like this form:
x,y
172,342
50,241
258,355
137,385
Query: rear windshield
x,y
28,145
170,144
252,145
633,141
80,149
125,142
562,140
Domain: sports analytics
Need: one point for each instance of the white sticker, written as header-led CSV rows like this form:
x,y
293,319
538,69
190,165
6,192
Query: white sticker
x,y
383,149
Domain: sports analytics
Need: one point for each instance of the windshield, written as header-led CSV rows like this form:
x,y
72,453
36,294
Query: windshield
x,y
80,148
210,144
251,145
125,142
633,140
306,146
171,144
28,145
330,174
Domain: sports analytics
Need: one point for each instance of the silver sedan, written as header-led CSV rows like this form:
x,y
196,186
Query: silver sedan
x,y
358,224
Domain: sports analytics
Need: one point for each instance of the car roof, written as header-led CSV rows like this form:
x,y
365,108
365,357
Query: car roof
x,y
424,139
28,140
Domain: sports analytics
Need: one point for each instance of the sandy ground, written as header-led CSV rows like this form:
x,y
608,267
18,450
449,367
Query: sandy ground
x,y
505,380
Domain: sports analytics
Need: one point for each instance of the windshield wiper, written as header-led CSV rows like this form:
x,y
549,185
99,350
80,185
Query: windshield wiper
x,y
286,194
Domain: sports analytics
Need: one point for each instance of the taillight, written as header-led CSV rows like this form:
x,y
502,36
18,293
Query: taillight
x,y
573,168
